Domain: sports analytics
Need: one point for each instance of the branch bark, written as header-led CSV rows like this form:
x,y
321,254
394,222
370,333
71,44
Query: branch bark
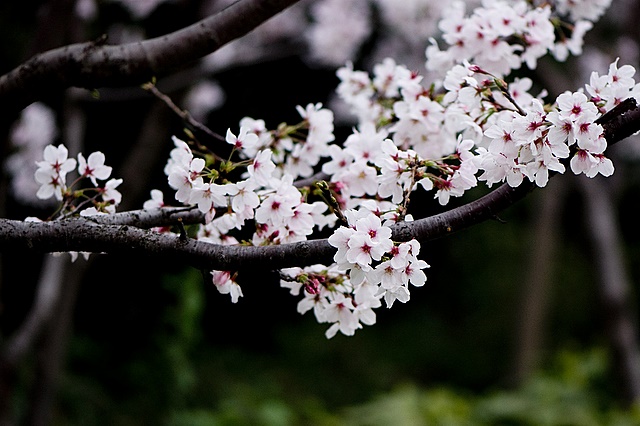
x,y
123,233
95,64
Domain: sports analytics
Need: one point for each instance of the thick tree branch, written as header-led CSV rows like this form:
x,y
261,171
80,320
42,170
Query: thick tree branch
x,y
94,64
122,232
78,234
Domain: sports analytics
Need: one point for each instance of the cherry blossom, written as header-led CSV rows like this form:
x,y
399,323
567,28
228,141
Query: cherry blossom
x,y
52,171
156,201
185,177
225,284
244,199
93,168
111,195
244,141
262,168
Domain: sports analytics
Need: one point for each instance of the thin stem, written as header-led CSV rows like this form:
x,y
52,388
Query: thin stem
x,y
183,114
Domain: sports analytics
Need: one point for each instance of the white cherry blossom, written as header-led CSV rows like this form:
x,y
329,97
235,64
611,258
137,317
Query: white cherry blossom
x,y
93,168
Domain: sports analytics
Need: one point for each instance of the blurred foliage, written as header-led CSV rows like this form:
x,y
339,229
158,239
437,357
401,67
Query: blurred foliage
x,y
566,394
182,383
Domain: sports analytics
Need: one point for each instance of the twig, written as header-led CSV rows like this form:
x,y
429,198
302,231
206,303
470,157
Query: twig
x,y
183,114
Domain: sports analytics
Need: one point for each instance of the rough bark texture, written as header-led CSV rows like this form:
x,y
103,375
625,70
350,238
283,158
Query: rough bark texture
x,y
96,64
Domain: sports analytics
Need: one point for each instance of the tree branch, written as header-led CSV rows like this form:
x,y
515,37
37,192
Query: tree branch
x,y
112,233
122,232
79,234
94,64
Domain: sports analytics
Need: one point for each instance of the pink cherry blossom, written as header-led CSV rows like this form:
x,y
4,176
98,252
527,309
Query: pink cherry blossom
x,y
225,284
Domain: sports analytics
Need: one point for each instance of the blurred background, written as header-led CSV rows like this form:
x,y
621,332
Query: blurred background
x,y
529,319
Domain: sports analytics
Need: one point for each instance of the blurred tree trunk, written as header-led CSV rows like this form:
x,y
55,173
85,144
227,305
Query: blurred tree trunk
x,y
535,292
50,288
615,290
50,353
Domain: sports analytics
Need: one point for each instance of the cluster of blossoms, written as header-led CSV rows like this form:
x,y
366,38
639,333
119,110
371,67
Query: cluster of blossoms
x,y
477,124
265,191
296,149
100,198
409,137
369,267
502,35
265,194
471,125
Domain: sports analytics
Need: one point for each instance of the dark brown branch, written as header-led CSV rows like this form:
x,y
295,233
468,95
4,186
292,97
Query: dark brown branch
x,y
477,211
78,234
94,64
87,234
151,218
122,233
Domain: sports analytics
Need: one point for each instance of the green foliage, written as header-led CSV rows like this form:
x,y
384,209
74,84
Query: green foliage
x,y
566,394
154,381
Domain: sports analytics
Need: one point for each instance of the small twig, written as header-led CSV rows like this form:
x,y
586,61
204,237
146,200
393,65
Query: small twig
x,y
404,206
183,231
184,114
504,89
499,219
286,277
327,195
